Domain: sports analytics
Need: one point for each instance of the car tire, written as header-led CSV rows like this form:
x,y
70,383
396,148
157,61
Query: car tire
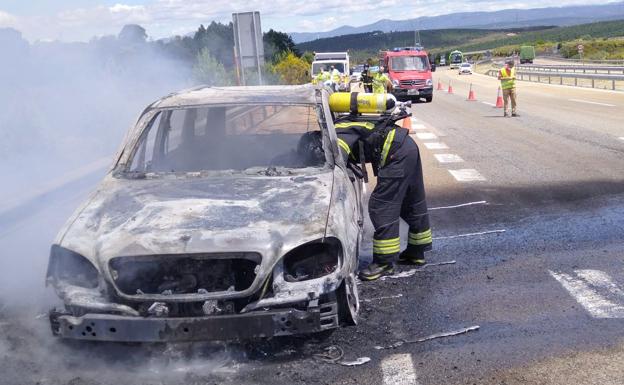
x,y
428,99
348,301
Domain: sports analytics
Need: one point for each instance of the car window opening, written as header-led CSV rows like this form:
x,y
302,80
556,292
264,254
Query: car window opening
x,y
219,138
409,63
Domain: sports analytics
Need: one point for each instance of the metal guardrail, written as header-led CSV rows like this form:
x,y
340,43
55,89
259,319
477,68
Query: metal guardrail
x,y
539,75
572,68
590,61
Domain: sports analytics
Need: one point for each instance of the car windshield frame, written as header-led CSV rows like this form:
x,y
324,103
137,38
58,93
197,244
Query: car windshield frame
x,y
148,119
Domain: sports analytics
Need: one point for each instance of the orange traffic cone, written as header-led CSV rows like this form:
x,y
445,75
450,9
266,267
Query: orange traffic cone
x,y
439,85
499,99
450,89
471,95
407,123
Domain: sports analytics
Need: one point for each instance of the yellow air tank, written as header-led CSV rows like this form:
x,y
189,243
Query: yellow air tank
x,y
361,103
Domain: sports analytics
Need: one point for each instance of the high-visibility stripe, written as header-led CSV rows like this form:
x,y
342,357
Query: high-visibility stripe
x,y
422,238
392,250
344,146
367,125
382,242
424,234
386,146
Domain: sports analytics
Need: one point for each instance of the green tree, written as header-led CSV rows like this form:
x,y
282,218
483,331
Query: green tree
x,y
277,42
292,69
210,71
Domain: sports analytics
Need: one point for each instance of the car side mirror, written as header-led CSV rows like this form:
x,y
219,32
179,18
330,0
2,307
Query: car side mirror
x,y
433,68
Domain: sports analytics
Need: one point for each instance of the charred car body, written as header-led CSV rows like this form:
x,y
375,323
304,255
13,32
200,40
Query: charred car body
x,y
228,214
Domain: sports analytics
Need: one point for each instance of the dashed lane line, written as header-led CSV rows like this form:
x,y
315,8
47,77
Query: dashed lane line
x,y
590,102
418,126
448,158
467,175
584,286
398,369
426,136
489,104
621,138
436,146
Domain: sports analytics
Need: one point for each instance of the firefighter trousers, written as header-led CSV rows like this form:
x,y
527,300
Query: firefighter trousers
x,y
399,193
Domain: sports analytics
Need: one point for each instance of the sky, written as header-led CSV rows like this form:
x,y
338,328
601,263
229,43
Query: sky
x,y
80,20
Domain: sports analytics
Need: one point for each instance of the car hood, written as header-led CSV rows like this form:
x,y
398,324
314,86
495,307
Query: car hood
x,y
193,215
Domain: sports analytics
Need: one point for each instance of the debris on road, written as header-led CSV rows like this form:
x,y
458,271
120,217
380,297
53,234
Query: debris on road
x,y
382,298
357,362
459,205
429,338
471,234
409,273
333,355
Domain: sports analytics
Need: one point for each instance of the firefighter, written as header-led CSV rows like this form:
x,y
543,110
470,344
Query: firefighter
x,y
507,77
367,79
399,193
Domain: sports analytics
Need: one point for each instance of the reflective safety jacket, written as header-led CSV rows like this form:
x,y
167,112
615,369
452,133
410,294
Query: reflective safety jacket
x,y
379,142
379,83
334,75
321,77
508,78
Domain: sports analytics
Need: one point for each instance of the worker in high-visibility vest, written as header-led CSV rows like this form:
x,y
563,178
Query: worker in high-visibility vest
x,y
507,77
381,81
321,77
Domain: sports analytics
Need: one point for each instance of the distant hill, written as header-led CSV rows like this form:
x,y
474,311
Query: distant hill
x,y
510,18
466,39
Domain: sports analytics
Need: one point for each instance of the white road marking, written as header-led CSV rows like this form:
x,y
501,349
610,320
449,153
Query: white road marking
x,y
398,369
418,126
596,305
588,102
601,280
471,234
426,136
448,158
621,138
436,146
489,104
467,175
460,205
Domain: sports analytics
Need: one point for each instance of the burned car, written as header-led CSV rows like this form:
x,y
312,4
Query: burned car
x,y
228,214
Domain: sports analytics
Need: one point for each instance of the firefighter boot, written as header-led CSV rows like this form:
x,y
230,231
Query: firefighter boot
x,y
412,257
376,270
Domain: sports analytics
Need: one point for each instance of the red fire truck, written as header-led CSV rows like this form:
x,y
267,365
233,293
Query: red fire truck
x,y
409,70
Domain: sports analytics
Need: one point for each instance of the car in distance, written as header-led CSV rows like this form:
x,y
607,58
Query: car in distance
x,y
228,214
465,68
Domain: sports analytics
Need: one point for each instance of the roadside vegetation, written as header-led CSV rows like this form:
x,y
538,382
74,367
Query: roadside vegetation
x,y
601,40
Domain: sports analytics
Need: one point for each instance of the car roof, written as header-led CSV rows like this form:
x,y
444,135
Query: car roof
x,y
205,95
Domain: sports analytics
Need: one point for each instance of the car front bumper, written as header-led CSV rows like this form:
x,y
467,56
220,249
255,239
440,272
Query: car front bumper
x,y
253,325
404,92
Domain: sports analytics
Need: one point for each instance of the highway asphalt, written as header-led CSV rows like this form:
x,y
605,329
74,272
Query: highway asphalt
x,y
531,209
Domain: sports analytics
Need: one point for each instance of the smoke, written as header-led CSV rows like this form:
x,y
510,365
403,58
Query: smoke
x,y
64,106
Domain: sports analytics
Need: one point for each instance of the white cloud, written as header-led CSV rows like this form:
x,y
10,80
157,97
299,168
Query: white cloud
x,y
7,20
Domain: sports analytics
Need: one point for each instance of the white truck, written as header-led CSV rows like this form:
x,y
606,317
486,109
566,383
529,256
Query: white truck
x,y
340,61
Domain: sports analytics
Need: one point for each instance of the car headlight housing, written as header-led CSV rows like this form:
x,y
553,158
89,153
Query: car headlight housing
x,y
72,268
312,260
395,83
429,82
